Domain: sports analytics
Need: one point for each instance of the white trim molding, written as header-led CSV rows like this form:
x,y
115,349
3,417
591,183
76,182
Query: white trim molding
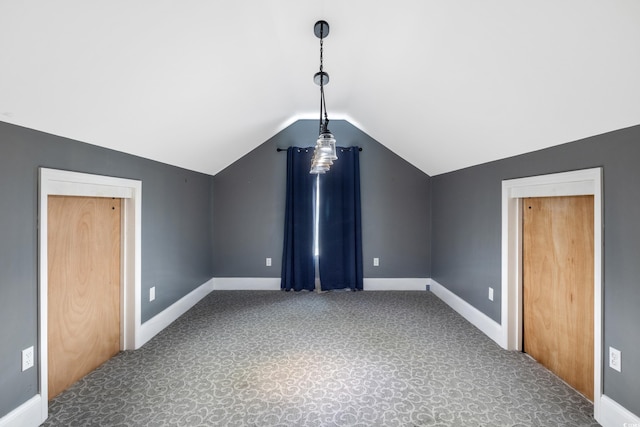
x,y
395,284
487,325
273,284
613,414
66,183
157,323
581,182
28,414
246,283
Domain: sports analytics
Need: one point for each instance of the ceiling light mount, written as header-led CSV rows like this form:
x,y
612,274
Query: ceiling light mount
x,y
321,29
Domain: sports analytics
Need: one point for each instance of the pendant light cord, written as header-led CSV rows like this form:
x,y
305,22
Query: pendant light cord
x,y
323,106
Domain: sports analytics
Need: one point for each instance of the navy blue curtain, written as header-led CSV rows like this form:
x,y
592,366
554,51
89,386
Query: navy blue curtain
x,y
340,225
298,269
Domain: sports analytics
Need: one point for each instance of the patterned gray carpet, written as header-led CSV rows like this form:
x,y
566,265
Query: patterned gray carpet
x,y
242,358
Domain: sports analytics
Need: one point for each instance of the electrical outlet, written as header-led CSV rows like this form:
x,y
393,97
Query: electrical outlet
x,y
152,293
615,359
268,262
490,294
376,262
27,358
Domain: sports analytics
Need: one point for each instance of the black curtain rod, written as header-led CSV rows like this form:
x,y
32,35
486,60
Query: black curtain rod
x,y
284,149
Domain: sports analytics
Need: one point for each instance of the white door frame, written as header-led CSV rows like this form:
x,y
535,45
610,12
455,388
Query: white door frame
x,y
575,183
65,183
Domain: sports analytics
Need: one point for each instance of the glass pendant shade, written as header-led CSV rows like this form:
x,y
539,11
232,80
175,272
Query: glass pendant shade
x,y
326,145
320,163
318,168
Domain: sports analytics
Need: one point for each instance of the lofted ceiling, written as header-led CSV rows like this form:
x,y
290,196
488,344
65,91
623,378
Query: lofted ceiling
x,y
445,84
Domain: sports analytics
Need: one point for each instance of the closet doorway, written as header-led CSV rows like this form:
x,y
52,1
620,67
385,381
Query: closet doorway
x,y
54,182
585,182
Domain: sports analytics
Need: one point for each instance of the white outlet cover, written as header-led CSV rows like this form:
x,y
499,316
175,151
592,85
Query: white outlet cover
x,y
615,359
376,262
268,262
491,294
152,293
27,358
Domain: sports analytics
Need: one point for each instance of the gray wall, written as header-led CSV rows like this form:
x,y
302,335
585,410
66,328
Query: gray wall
x,y
176,236
250,202
467,234
406,214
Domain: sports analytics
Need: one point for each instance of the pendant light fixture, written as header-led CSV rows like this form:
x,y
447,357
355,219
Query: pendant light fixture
x,y
325,150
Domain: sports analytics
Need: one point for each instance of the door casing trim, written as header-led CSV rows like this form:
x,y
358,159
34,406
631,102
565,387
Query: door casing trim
x,y
573,183
66,183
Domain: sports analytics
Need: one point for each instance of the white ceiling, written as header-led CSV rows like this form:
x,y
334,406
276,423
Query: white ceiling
x,y
445,84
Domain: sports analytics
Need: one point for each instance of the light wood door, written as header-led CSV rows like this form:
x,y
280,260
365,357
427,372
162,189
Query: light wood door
x,y
558,287
83,287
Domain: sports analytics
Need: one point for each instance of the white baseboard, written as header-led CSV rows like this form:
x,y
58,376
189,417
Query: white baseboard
x,y
246,284
612,414
397,284
490,327
273,284
157,323
26,415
